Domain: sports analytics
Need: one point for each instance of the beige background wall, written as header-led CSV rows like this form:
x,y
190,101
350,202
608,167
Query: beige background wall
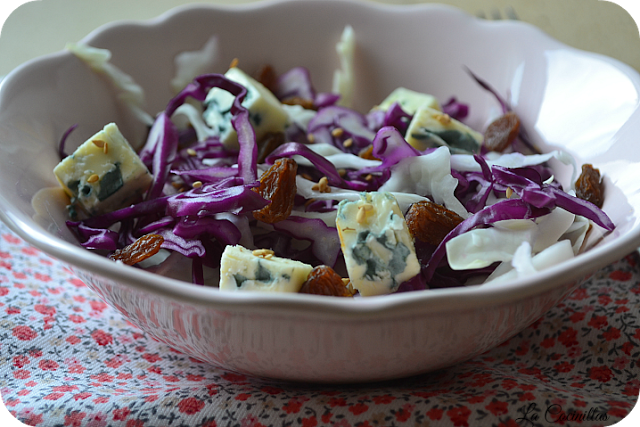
x,y
45,26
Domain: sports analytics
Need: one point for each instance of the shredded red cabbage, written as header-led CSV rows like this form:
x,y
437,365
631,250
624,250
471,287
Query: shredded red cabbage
x,y
63,140
295,83
353,125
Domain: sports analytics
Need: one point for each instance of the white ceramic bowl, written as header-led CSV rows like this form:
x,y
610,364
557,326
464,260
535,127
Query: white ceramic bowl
x,y
581,102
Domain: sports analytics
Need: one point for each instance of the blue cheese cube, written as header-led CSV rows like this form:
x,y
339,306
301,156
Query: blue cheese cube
x,y
431,128
378,249
104,173
242,269
265,111
410,101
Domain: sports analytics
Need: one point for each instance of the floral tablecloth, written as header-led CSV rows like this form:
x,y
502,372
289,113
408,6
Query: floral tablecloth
x,y
69,359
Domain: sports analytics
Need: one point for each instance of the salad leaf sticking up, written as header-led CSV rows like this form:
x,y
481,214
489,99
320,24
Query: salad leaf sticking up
x,y
272,179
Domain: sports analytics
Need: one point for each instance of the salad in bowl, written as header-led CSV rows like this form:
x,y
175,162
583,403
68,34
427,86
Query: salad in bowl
x,y
338,210
282,188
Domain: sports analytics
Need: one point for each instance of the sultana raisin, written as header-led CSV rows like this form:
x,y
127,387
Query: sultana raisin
x,y
277,184
269,142
267,76
323,280
589,185
502,132
430,222
143,248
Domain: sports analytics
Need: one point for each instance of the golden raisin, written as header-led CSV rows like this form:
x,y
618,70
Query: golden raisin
x,y
323,280
143,248
589,185
502,132
269,142
277,184
267,76
430,222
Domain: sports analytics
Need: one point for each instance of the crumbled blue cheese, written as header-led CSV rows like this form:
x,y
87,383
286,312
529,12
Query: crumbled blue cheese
x,y
410,101
377,246
265,111
242,269
104,173
432,128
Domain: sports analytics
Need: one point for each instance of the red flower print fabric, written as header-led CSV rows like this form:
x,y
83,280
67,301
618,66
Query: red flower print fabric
x,y
70,360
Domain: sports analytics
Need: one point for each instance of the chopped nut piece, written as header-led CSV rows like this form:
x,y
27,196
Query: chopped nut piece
x,y
362,212
444,119
509,192
307,104
263,253
337,132
98,143
191,152
93,178
234,63
197,184
348,142
322,186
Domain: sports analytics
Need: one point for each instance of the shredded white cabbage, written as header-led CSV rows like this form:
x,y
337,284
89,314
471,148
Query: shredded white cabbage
x,y
429,174
191,64
299,115
187,114
305,189
337,157
525,264
577,233
343,77
466,162
129,92
482,247
552,227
